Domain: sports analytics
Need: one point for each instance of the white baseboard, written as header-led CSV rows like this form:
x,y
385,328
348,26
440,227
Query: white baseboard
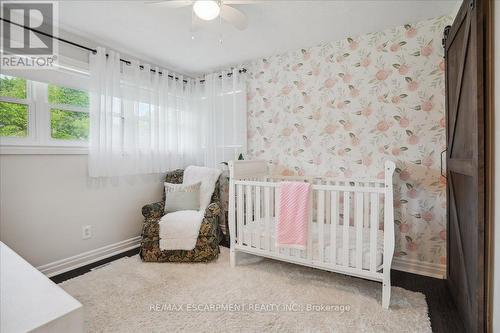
x,y
82,259
419,267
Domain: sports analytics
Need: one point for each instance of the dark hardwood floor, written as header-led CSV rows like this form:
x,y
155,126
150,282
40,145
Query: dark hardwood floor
x,y
442,311
87,268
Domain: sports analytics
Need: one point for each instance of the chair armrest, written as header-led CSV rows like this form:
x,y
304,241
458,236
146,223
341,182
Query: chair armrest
x,y
210,225
213,210
154,210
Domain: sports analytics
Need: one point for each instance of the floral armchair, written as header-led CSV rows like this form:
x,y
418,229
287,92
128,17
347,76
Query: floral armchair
x,y
207,245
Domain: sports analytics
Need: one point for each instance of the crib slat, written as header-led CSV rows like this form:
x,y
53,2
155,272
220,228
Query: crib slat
x,y
249,213
258,232
239,221
276,216
346,221
267,213
373,230
328,208
359,229
321,223
366,213
334,221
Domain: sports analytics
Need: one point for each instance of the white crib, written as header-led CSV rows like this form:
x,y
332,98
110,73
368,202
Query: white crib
x,y
363,247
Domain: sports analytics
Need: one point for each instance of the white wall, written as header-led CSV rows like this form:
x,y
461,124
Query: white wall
x,y
46,199
496,242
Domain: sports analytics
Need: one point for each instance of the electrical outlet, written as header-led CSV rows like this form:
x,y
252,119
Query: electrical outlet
x,y
86,231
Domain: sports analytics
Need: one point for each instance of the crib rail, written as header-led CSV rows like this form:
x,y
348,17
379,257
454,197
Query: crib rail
x,y
350,227
350,211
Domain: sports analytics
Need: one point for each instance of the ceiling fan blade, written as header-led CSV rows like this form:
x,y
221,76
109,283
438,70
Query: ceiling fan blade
x,y
170,3
234,16
241,2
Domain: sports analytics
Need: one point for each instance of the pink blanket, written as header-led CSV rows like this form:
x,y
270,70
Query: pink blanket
x,y
293,217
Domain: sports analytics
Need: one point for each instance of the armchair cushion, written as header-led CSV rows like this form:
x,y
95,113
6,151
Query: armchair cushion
x,y
179,230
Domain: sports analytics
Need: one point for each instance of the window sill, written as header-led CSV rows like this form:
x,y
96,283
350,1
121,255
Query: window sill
x,y
42,150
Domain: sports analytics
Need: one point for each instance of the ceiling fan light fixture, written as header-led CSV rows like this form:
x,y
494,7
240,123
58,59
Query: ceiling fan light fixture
x,y
206,9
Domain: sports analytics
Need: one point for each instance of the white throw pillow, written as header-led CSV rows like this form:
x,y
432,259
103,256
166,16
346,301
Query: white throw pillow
x,y
182,197
208,178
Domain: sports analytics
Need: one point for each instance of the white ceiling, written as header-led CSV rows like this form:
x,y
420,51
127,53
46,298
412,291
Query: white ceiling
x,y
162,35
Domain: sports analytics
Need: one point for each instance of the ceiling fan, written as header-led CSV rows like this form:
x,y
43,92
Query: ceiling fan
x,y
208,10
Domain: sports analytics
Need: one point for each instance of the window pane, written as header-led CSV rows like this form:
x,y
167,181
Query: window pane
x,y
62,95
69,125
13,87
13,119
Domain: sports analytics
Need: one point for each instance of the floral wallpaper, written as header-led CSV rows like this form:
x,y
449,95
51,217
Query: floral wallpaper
x,y
341,109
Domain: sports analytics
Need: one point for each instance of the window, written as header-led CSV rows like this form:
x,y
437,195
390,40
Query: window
x,y
37,114
13,87
14,107
69,125
13,119
69,118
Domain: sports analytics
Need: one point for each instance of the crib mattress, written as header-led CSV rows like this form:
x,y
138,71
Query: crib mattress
x,y
251,230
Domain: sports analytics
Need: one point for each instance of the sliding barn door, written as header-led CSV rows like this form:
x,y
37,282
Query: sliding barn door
x,y
465,83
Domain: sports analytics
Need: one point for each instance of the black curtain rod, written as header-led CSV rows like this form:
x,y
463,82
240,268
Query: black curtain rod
x,y
128,62
77,45
243,70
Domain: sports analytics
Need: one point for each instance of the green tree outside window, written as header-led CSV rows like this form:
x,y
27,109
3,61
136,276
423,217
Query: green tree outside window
x,y
69,125
12,87
68,96
13,119
65,124
13,116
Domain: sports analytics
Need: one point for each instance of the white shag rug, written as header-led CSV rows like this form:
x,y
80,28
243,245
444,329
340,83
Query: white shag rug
x,y
259,295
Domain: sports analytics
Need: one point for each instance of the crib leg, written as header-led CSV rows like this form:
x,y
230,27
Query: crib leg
x,y
386,293
232,257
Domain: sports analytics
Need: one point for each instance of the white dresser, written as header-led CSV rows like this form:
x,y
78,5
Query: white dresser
x,y
30,302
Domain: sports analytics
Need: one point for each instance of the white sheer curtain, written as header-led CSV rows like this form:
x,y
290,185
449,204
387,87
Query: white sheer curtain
x,y
223,104
140,121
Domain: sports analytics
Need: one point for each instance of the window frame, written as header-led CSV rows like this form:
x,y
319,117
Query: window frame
x,y
39,139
